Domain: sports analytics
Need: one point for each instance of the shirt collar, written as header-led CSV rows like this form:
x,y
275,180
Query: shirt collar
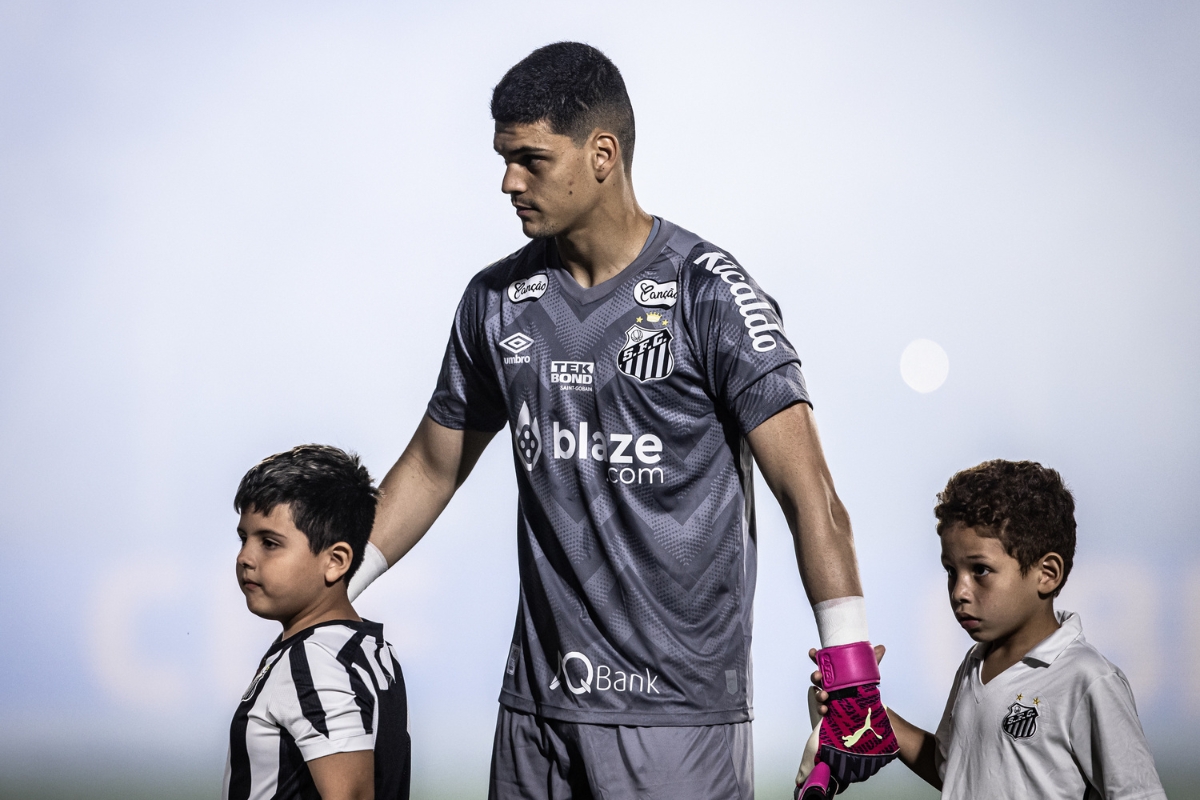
x,y
1050,648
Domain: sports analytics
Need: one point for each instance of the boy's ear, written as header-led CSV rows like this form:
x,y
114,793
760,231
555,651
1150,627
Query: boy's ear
x,y
1050,569
338,557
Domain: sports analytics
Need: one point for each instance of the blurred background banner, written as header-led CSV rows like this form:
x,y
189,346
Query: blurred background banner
x,y
229,228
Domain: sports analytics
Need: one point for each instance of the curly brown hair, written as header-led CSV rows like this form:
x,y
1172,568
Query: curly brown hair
x,y
1023,504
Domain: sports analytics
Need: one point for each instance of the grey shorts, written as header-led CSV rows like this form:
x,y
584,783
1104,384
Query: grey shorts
x,y
534,758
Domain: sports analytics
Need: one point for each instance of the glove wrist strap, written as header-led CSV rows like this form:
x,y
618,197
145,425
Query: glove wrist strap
x,y
847,665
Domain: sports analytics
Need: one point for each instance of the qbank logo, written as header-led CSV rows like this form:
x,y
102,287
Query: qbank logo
x,y
757,325
582,679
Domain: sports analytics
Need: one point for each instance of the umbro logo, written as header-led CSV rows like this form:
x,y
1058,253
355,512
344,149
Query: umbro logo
x,y
516,343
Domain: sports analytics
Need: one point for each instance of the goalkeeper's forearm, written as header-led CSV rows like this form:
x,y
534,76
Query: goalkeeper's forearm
x,y
415,492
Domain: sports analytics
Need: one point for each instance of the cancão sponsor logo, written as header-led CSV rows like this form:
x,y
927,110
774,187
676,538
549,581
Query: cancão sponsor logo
x,y
530,288
652,294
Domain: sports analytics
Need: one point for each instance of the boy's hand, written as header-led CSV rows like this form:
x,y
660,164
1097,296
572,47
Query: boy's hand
x,y
852,735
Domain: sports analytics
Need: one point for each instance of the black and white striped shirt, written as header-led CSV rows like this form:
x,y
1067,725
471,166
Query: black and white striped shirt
x,y
333,688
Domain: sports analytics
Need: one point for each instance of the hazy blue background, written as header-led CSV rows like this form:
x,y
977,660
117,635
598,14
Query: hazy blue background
x,y
228,228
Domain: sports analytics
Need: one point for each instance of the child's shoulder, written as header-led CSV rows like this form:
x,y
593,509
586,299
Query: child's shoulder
x,y
317,660
1080,674
1087,670
1076,655
332,645
344,639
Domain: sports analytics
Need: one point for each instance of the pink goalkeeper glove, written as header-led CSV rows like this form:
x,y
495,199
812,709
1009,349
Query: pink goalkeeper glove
x,y
854,740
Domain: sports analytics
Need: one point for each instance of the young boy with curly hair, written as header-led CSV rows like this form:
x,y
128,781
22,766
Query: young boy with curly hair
x,y
1035,711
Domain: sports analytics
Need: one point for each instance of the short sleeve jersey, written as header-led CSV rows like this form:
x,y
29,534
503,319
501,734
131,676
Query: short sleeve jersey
x,y
629,403
333,688
1060,723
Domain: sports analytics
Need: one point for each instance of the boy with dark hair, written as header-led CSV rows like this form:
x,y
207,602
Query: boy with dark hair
x,y
643,373
326,715
1035,711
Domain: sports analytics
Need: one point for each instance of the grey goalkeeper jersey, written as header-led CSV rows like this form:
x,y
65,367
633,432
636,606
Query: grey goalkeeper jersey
x,y
629,403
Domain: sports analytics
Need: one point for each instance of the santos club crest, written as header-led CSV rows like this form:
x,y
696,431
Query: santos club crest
x,y
646,354
1021,722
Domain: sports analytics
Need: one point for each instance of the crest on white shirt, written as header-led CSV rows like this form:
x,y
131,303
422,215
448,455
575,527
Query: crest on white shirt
x,y
1021,722
262,673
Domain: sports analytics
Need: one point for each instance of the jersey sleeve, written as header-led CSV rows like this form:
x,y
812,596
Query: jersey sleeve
x,y
468,395
1109,744
329,708
751,367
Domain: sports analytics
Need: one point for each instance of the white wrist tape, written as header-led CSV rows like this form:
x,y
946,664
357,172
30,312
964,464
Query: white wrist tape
x,y
373,565
842,620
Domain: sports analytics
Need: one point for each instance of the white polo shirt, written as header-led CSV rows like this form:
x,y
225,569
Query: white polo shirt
x,y
1060,723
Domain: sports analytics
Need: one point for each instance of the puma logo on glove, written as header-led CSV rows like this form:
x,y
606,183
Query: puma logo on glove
x,y
853,738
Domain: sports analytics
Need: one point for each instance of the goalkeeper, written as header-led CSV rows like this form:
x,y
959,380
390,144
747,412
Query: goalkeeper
x,y
642,372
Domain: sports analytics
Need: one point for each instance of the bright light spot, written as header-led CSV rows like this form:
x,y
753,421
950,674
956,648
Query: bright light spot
x,y
924,365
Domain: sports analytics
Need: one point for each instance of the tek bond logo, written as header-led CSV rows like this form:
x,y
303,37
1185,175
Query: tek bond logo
x,y
577,375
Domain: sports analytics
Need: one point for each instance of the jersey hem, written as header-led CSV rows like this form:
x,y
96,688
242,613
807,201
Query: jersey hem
x,y
454,423
327,747
681,719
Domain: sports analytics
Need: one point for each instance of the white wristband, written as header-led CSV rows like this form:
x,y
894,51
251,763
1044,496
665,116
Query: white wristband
x,y
842,620
373,565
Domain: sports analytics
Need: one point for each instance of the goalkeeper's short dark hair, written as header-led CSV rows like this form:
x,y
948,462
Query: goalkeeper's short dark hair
x,y
572,86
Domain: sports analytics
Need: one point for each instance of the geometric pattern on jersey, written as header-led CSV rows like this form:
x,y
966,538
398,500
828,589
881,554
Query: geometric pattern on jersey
x,y
333,688
628,404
